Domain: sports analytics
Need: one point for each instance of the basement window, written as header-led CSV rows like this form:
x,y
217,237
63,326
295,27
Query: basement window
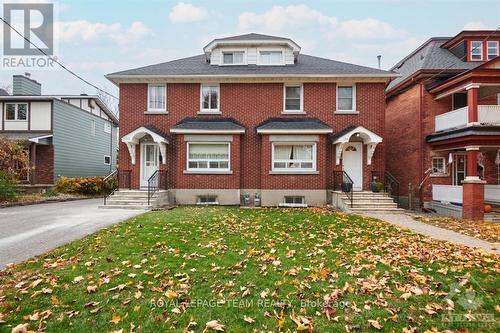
x,y
207,200
293,201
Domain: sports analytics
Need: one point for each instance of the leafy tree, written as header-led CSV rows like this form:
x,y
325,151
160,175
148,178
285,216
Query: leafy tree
x,y
14,159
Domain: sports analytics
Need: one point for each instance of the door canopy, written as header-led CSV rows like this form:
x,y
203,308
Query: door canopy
x,y
132,139
369,138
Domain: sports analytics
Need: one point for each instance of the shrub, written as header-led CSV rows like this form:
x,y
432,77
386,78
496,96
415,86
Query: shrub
x,y
50,193
67,185
86,186
14,159
8,189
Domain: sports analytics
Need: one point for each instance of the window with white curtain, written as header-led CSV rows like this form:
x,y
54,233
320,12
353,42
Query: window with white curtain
x,y
209,98
208,156
157,98
346,98
270,58
294,157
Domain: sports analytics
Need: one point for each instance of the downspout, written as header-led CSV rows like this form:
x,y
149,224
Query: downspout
x,y
422,176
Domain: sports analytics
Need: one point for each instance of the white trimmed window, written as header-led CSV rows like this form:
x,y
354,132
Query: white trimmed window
x,y
208,156
157,100
438,165
107,127
492,49
346,98
209,98
294,157
233,57
16,111
270,58
293,98
476,50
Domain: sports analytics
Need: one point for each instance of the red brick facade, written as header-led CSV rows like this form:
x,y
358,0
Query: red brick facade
x,y
250,104
44,165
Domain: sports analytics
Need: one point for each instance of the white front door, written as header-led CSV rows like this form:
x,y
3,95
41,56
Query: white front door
x,y
352,158
149,161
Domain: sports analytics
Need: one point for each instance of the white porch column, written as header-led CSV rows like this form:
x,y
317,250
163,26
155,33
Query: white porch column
x,y
163,152
338,152
131,150
370,151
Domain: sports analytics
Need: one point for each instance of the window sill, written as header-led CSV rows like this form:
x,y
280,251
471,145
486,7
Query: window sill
x,y
156,112
437,175
286,205
294,172
293,112
207,172
210,112
346,112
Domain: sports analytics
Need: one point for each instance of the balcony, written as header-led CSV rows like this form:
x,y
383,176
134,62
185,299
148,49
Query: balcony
x,y
487,114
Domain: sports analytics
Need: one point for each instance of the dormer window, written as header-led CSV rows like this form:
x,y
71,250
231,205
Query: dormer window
x,y
476,50
233,57
270,58
492,49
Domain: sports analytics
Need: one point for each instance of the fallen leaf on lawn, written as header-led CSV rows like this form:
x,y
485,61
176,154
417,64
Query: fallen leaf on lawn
x,y
213,325
78,279
375,324
303,323
91,289
248,319
21,328
115,319
170,294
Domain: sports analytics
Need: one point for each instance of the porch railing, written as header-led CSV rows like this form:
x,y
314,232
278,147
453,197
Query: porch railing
x,y
342,182
447,193
157,181
391,184
487,114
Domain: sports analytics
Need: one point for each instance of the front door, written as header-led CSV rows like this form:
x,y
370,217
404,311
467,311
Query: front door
x,y
459,168
149,161
353,163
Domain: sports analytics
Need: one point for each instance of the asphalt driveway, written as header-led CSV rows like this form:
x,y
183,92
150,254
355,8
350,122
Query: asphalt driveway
x,y
28,231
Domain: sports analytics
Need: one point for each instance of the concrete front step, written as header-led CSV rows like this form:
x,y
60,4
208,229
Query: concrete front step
x,y
132,207
126,202
377,209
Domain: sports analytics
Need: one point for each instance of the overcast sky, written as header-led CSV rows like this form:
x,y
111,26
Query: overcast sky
x,y
97,37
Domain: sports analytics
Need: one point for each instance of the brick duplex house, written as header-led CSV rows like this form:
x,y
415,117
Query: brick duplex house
x,y
443,124
253,117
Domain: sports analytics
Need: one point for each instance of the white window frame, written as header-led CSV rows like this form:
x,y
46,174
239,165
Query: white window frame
x,y
202,110
439,173
495,43
244,58
107,127
154,110
301,110
16,112
105,160
476,48
280,63
294,170
209,170
92,127
353,110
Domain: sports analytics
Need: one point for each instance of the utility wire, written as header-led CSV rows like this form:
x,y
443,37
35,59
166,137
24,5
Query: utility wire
x,y
58,62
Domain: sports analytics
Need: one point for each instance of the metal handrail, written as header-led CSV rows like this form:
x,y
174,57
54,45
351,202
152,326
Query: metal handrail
x,y
391,184
156,182
346,184
110,183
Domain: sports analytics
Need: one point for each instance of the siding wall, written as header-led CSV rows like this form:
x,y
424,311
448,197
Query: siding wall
x,y
251,53
77,152
22,85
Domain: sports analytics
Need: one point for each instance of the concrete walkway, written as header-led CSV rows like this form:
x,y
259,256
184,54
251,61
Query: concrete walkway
x,y
406,221
27,231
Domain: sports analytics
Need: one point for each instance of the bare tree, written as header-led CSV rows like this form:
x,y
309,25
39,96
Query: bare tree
x,y
7,87
110,102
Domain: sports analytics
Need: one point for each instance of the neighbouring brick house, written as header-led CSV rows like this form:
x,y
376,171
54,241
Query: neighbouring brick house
x,y
65,135
254,117
443,124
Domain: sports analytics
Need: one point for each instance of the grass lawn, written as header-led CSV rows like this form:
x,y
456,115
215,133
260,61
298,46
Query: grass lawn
x,y
486,230
263,270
